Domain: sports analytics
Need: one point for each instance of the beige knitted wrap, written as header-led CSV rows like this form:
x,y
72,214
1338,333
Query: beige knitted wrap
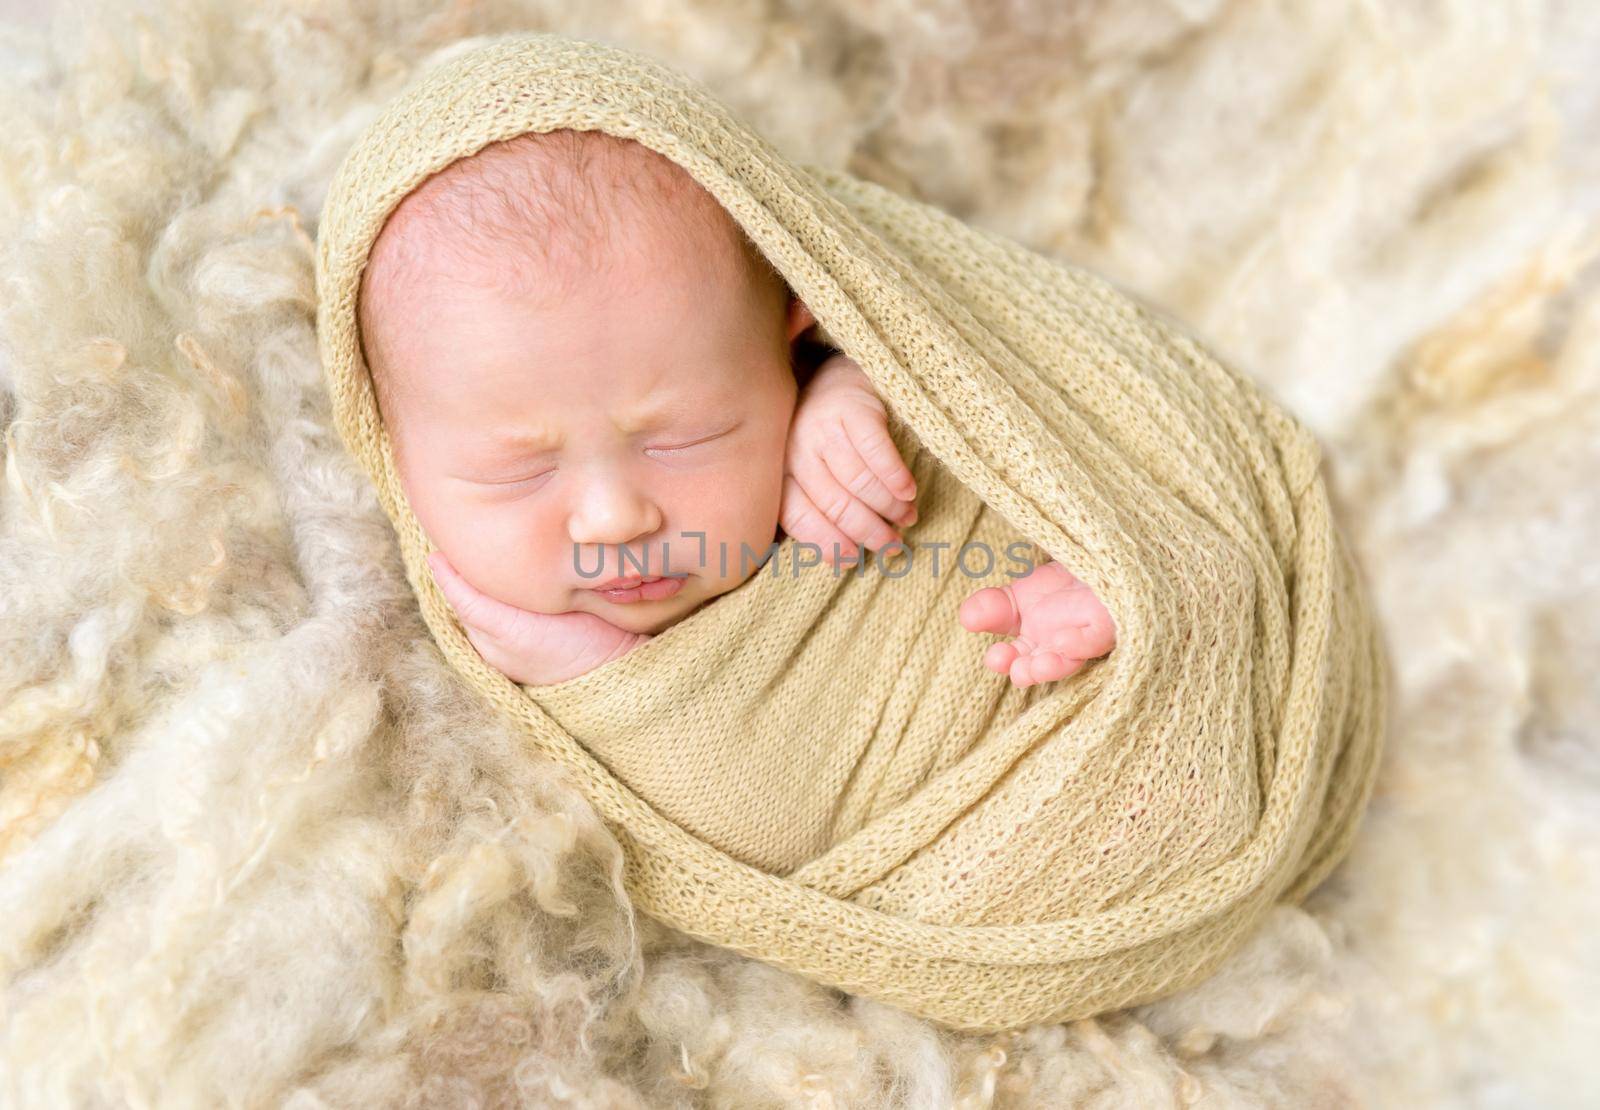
x,y
815,768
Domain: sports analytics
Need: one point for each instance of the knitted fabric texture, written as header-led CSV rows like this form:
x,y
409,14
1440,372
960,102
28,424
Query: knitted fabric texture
x,y
815,768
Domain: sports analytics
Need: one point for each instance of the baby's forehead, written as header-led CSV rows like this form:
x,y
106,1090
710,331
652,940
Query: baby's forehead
x,y
558,206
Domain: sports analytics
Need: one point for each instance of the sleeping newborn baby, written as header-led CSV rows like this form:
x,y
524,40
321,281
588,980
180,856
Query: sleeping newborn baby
x,y
578,354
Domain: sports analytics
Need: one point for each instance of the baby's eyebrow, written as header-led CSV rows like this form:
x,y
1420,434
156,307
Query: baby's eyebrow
x,y
659,414
518,444
521,443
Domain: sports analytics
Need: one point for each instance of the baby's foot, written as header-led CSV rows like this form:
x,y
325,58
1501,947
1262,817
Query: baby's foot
x,y
1057,621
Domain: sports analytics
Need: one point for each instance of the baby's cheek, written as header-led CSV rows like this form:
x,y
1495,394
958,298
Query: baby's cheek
x,y
524,559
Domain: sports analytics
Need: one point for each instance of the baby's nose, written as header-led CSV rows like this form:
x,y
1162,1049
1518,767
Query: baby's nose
x,y
610,512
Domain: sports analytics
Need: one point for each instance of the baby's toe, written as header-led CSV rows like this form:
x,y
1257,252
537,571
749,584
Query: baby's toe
x,y
999,658
1047,666
1022,670
989,610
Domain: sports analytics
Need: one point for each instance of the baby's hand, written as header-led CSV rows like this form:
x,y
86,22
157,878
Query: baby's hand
x,y
535,649
1056,619
843,478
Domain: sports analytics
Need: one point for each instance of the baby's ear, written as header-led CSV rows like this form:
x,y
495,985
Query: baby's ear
x,y
800,317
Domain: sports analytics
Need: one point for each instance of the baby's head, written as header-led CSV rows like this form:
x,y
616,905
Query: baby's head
x,y
576,351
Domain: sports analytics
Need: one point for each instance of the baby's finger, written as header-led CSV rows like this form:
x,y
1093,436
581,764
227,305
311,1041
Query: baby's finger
x,y
870,434
802,519
486,646
849,513
474,608
868,464
452,585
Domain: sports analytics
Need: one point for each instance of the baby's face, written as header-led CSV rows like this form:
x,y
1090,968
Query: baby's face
x,y
538,442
